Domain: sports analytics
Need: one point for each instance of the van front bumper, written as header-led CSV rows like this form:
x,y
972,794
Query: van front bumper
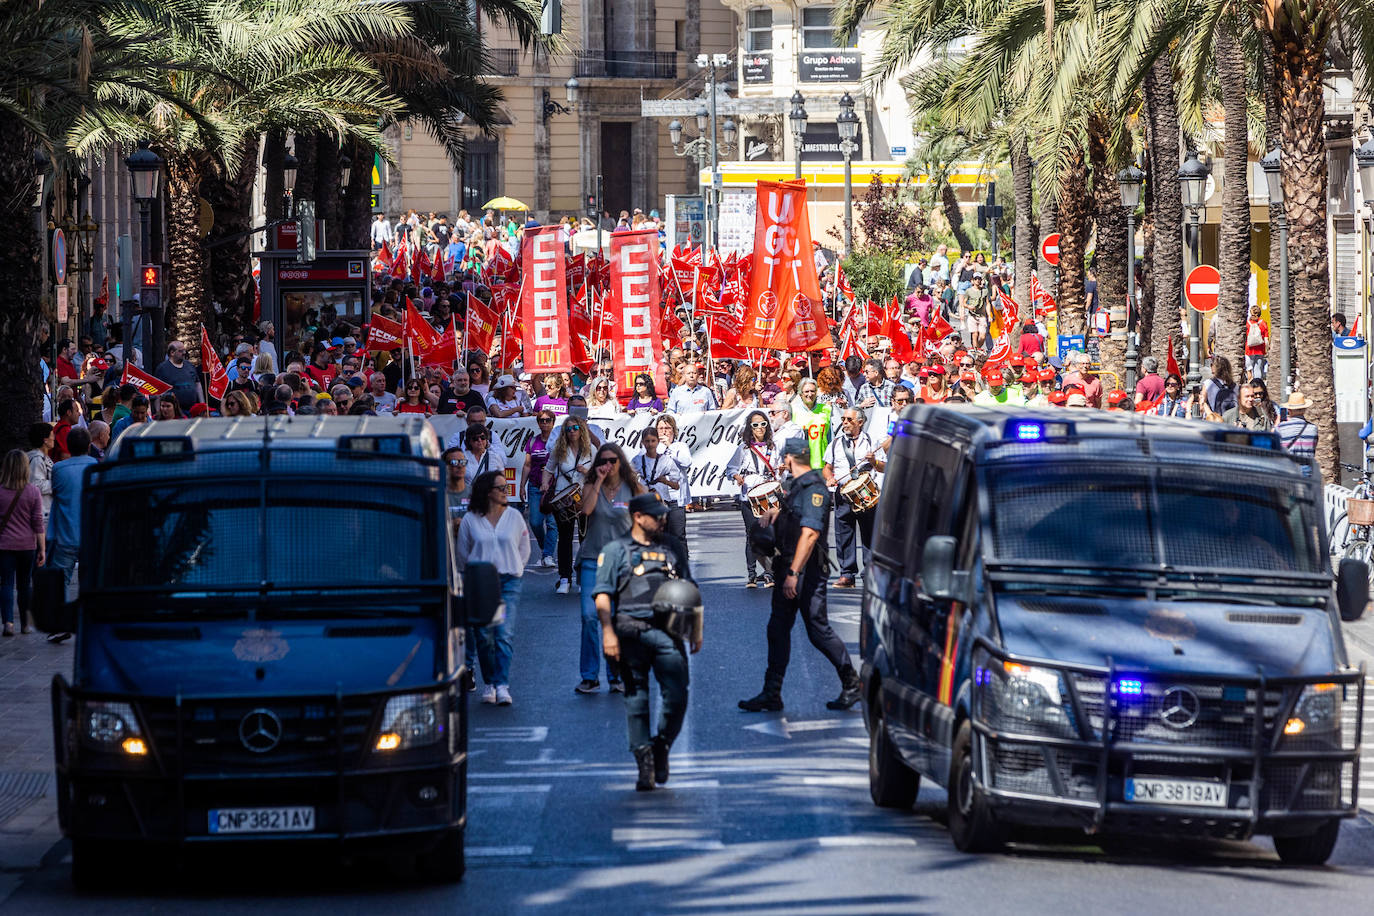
x,y
1091,755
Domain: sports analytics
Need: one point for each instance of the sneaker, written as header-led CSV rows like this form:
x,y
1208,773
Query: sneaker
x,y
617,686
563,586
489,694
57,638
765,581
587,687
548,562
503,695
26,629
752,583
9,629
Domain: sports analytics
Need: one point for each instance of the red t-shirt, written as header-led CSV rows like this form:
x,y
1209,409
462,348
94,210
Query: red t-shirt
x,y
1249,327
65,369
404,407
59,434
1032,344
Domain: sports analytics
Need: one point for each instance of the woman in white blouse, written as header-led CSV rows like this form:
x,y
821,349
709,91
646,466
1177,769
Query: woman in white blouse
x,y
756,461
492,532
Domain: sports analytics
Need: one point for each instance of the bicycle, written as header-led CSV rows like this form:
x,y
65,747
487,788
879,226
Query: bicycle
x,y
1352,533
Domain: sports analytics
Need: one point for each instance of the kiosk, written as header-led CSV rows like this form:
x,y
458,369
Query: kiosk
x,y
297,297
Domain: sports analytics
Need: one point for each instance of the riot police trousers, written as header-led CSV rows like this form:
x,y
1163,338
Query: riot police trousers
x,y
653,650
810,601
851,528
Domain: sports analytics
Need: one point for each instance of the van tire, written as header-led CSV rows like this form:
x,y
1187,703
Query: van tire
x,y
446,862
891,783
972,825
1313,849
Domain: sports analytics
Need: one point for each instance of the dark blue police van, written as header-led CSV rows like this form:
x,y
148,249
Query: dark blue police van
x,y
1101,620
269,644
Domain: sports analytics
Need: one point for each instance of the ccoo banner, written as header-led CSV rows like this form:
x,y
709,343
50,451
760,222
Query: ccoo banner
x,y
544,302
636,340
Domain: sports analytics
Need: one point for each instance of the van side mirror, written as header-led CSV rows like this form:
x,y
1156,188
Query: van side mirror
x,y
939,579
482,594
1352,588
51,611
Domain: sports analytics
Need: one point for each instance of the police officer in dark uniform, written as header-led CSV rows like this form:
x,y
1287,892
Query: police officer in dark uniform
x,y
799,569
643,634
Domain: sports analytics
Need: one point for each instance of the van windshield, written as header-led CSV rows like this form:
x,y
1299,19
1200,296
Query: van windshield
x,y
188,535
1127,517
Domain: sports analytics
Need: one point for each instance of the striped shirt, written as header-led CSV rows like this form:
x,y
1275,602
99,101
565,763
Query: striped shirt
x,y
1299,436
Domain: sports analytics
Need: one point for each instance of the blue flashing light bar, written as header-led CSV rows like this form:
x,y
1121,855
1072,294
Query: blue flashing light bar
x,y
1030,432
1129,687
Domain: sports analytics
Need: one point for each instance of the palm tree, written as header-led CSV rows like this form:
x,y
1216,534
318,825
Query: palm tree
x,y
1165,263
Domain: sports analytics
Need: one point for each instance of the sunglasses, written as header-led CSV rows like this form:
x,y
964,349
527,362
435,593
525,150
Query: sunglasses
x,y
573,428
609,460
543,420
474,437
456,463
758,425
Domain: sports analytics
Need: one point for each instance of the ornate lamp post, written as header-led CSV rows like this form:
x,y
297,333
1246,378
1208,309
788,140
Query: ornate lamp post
x,y
1192,176
1130,179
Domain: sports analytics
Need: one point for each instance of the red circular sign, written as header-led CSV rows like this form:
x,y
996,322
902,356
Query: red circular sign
x,y
1049,249
768,304
1203,287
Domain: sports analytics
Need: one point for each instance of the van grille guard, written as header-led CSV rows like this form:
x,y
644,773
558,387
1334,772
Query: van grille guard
x,y
1088,727
165,721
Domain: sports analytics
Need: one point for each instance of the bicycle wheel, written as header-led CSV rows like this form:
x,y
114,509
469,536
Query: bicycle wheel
x,y
1340,533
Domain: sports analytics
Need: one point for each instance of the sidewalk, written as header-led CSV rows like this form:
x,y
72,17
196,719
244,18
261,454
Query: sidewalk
x,y
28,805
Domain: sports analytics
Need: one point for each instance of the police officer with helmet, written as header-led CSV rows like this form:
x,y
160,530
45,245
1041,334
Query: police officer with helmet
x,y
650,611
799,569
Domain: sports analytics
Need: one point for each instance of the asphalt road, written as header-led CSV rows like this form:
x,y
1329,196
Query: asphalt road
x,y
764,813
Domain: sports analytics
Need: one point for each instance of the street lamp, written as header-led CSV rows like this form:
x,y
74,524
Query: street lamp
x,y
40,167
1130,179
1192,177
571,88
345,172
1273,176
145,177
848,124
727,133
675,131
798,119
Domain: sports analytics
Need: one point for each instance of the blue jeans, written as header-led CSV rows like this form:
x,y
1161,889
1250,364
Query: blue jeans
x,y
63,557
493,643
591,628
16,576
545,527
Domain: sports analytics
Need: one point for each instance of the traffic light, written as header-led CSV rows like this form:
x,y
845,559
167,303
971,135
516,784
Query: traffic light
x,y
150,286
591,206
305,231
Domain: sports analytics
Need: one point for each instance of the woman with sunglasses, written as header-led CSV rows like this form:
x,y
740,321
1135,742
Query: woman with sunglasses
x,y
606,493
1262,402
569,462
416,400
555,396
537,449
601,405
645,396
493,533
756,460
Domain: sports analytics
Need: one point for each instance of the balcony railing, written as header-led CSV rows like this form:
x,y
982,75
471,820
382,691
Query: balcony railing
x,y
502,62
657,65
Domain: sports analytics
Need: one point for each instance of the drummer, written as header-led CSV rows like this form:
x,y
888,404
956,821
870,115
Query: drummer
x,y
850,455
755,463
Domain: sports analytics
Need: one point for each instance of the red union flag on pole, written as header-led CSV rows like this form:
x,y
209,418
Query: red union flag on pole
x,y
149,385
544,302
211,366
636,339
783,310
383,335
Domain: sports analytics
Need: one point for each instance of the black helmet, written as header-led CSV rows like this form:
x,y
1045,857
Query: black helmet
x,y
677,595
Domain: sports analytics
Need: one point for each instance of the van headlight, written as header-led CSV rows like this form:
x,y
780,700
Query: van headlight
x,y
411,720
1316,712
111,726
1026,697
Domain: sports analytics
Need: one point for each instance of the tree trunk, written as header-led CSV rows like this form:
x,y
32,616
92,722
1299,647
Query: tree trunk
x,y
1273,137
21,383
1049,225
1146,315
305,150
186,309
273,192
954,216
231,273
327,182
1233,252
1167,265
357,203
1109,258
1074,209
1023,187
1299,61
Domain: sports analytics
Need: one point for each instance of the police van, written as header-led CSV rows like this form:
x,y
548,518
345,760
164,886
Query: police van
x,y
269,644
1103,620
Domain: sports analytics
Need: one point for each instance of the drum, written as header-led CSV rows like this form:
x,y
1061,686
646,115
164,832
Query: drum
x,y
567,503
765,496
861,492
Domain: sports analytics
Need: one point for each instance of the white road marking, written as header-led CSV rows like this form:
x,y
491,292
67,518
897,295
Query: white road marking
x,y
862,840
484,852
783,728
502,790
532,734
846,782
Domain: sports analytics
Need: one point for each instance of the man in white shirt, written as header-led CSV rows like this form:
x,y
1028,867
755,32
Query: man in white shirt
x,y
381,232
939,262
691,397
477,417
784,427
847,456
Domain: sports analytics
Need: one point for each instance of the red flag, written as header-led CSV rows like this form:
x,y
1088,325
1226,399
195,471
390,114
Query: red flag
x,y
637,342
210,364
383,335
417,330
939,327
398,266
104,297
149,385
1171,367
481,325
783,311
445,352
875,319
544,302
1001,351
385,258
842,283
896,332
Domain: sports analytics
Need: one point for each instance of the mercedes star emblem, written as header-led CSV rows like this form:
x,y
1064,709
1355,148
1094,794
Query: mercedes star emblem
x,y
1180,708
260,731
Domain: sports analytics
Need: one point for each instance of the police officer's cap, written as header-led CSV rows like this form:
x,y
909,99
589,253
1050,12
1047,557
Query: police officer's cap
x,y
649,503
797,447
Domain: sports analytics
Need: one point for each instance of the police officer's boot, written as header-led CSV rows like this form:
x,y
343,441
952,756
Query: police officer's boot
x,y
849,689
644,759
768,700
660,748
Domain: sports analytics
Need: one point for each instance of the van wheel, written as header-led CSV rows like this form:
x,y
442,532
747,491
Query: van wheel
x,y
891,782
971,823
96,866
1313,849
444,863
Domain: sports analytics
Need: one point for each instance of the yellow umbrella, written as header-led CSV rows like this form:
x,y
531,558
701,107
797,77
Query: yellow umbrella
x,y
504,203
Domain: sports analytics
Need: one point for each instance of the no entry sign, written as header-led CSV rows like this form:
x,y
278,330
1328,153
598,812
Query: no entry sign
x,y
1202,288
1049,249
